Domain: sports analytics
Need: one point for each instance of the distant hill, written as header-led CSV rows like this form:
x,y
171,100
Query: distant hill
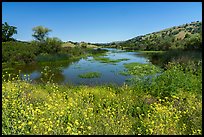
x,y
162,40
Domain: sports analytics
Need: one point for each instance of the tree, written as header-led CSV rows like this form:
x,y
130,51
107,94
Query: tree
x,y
8,31
40,33
53,45
194,42
187,36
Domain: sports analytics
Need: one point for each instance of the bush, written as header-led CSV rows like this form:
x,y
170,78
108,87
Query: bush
x,y
194,42
49,46
18,52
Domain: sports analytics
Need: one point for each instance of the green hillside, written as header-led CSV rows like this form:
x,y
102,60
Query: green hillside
x,y
171,38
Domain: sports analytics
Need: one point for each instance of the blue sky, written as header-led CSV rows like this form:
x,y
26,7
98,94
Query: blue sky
x,y
98,21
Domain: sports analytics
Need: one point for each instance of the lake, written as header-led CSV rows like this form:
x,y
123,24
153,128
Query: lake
x,y
67,72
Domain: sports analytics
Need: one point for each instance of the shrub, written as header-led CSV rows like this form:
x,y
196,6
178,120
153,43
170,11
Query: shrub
x,y
194,42
18,52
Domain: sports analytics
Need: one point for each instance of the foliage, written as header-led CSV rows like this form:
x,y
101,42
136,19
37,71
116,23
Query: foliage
x,y
177,56
141,69
8,31
194,42
40,33
50,50
175,79
18,52
49,46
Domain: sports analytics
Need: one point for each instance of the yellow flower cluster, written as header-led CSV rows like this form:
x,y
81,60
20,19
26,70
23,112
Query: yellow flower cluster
x,y
57,109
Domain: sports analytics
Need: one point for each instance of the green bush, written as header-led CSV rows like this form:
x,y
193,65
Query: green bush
x,y
49,46
18,52
194,42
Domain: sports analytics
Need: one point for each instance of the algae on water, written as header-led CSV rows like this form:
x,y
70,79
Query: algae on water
x,y
90,75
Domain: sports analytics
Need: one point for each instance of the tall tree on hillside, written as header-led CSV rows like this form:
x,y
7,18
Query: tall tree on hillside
x,y
41,33
8,31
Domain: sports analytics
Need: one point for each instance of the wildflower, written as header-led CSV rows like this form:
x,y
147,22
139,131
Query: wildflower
x,y
68,128
89,127
49,129
151,131
76,122
29,123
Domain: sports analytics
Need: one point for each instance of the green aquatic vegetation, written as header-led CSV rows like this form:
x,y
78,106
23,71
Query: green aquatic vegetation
x,y
139,69
90,75
125,73
99,54
108,60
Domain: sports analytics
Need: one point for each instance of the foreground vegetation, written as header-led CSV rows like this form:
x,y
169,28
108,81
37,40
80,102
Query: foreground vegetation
x,y
168,104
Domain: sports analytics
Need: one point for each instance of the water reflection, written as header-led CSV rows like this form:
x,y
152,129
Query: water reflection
x,y
67,72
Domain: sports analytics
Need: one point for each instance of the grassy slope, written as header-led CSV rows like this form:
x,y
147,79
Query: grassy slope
x,y
177,33
182,30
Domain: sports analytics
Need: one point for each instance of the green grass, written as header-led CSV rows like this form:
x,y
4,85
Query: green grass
x,y
90,75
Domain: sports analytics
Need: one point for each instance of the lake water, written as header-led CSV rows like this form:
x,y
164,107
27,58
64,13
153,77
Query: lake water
x,y
66,72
